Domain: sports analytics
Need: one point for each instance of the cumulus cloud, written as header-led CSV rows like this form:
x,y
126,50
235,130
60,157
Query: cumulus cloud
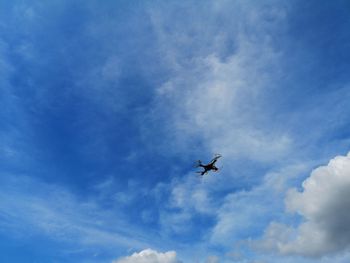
x,y
150,256
324,204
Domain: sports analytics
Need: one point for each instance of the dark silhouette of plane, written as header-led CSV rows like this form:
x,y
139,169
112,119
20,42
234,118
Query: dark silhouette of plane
x,y
208,167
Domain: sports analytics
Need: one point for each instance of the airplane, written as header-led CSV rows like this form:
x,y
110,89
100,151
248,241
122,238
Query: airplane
x,y
208,167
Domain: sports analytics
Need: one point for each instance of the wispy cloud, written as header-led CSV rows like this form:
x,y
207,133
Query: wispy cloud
x,y
219,99
244,213
222,96
33,207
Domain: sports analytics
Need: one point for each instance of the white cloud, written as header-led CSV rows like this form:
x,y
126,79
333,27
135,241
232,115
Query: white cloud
x,y
192,194
243,213
150,256
225,102
222,95
324,204
215,95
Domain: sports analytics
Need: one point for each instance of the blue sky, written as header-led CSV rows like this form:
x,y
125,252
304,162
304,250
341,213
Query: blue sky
x,y
106,105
